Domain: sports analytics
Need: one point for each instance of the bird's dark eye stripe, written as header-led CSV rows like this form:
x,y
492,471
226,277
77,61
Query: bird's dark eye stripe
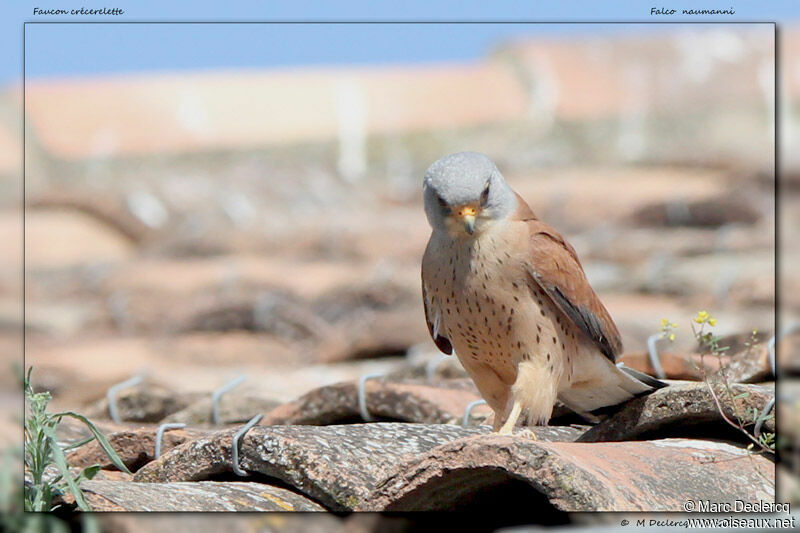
x,y
441,201
485,194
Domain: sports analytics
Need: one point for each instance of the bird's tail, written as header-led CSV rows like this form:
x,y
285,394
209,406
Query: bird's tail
x,y
648,380
613,385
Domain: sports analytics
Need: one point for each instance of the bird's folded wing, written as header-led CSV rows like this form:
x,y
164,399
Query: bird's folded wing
x,y
555,267
443,343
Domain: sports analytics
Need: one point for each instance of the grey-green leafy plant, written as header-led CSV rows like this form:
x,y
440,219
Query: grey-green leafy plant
x,y
765,442
47,473
11,518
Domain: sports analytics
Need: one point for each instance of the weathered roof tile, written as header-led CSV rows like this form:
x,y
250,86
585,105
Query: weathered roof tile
x,y
200,496
629,476
408,402
338,466
678,410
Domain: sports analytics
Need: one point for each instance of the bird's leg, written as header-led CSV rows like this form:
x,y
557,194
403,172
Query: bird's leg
x,y
511,421
498,420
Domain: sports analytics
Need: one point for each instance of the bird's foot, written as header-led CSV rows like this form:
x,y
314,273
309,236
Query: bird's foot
x,y
528,434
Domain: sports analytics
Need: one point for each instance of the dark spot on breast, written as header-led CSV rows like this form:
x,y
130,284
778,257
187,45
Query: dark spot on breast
x,y
555,341
537,340
539,328
548,356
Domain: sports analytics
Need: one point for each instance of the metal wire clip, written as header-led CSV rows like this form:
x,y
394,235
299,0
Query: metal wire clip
x,y
362,396
111,396
160,435
235,446
468,410
215,397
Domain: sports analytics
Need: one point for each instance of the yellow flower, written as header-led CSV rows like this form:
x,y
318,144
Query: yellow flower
x,y
671,337
673,325
664,322
712,321
701,317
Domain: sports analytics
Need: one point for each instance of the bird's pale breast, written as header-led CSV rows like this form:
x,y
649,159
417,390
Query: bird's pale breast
x,y
494,315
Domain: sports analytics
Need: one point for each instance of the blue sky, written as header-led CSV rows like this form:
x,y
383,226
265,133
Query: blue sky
x,y
56,50
74,49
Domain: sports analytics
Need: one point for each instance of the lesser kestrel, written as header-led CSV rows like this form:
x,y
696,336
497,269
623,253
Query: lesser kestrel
x,y
508,294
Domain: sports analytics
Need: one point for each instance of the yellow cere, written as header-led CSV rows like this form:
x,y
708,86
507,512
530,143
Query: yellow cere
x,y
466,210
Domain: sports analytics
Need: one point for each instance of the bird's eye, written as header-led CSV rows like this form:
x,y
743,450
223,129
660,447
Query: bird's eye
x,y
485,195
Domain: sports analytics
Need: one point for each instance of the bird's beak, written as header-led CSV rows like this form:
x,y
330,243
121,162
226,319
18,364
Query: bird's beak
x,y
467,214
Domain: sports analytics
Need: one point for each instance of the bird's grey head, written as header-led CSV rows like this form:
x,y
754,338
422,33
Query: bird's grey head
x,y
464,193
